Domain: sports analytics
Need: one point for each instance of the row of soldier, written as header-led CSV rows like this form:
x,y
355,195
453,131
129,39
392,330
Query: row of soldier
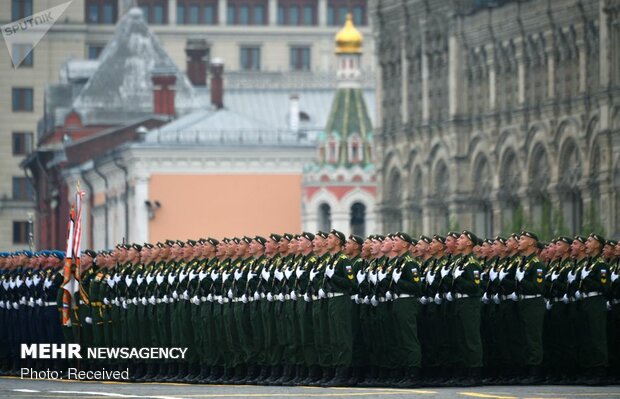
x,y
330,311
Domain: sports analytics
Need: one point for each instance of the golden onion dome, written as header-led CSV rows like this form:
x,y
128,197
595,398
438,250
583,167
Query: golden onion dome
x,y
349,40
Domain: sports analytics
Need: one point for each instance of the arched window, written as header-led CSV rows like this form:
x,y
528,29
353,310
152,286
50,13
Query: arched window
x,y
417,196
358,219
441,186
570,175
483,212
355,150
510,181
540,205
393,213
325,217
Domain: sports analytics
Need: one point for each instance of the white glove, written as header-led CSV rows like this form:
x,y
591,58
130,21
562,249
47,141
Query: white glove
x,y
214,275
225,275
444,271
458,272
279,275
614,276
256,296
135,301
313,274
520,274
220,300
251,274
388,296
502,274
293,295
548,304
210,297
438,299
270,297
372,277
496,299
585,273
299,272
265,274
373,301
152,300
329,272
449,297
571,276
31,302
423,300
143,300
88,320
238,274
244,298
175,295
306,297
577,294
22,300
360,276
565,299
608,304
492,274
106,301
288,273
39,302
430,277
2,305
280,297
366,300
15,305
396,275
485,298
514,297
165,298
124,304
195,300
356,298
321,293
382,275
230,294
555,275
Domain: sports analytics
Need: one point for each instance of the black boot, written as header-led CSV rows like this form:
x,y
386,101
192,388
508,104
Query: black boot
x,y
341,378
412,378
287,375
276,374
301,373
216,375
263,376
173,369
472,377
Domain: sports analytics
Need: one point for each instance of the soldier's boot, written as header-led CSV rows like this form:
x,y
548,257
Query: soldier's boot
x,y
341,378
263,376
173,369
472,377
205,371
286,375
158,371
146,376
250,374
216,374
596,377
301,373
412,378
369,377
314,374
355,376
240,374
182,372
193,372
534,376
276,374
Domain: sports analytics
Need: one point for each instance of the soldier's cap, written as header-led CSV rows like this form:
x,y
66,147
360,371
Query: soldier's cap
x,y
161,245
357,239
202,240
191,243
27,253
378,237
261,240
247,239
402,236
307,235
612,243
501,240
514,236
340,235
275,237
529,234
581,239
170,243
58,254
90,253
297,236
453,234
472,237
489,241
426,239
4,254
236,240
148,245
541,244
137,247
598,238
390,235
213,241
439,238
288,236
180,243
322,234
565,240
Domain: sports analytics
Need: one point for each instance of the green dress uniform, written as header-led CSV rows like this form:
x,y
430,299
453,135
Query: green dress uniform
x,y
614,320
510,342
446,339
256,351
320,316
303,308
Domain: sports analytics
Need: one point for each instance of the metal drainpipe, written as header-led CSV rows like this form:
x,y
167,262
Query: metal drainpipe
x,y
91,205
105,181
126,172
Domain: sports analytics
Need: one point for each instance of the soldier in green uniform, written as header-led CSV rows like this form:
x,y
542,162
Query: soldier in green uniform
x,y
353,250
530,276
611,253
88,271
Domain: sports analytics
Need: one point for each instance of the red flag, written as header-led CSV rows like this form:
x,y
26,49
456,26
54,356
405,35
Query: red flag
x,y
71,283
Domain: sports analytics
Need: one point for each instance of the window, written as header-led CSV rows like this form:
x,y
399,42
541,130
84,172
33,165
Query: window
x,y
154,11
250,58
22,189
203,12
325,217
22,55
281,14
22,143
94,51
102,11
293,15
296,12
20,9
358,15
247,12
308,15
20,232
22,99
337,11
300,58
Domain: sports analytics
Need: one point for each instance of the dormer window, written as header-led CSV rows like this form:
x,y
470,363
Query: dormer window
x,y
355,150
332,150
322,158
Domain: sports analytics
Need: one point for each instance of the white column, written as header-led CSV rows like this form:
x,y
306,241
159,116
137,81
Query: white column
x,y
425,104
604,45
520,72
222,11
454,84
550,64
404,76
491,65
273,12
140,222
172,12
322,13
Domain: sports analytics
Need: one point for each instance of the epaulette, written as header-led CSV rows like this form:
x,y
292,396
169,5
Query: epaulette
x,y
343,256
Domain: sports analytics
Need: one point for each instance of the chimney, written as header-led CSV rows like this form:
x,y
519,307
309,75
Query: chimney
x,y
197,51
163,91
217,83
294,112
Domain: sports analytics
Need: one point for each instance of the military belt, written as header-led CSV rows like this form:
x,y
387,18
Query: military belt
x,y
396,296
591,294
49,303
287,297
334,294
615,301
315,298
461,296
521,297
381,299
97,304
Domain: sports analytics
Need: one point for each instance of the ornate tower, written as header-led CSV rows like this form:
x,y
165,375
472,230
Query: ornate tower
x,y
339,189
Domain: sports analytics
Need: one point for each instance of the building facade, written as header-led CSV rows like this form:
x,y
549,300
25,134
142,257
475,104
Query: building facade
x,y
257,39
496,116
